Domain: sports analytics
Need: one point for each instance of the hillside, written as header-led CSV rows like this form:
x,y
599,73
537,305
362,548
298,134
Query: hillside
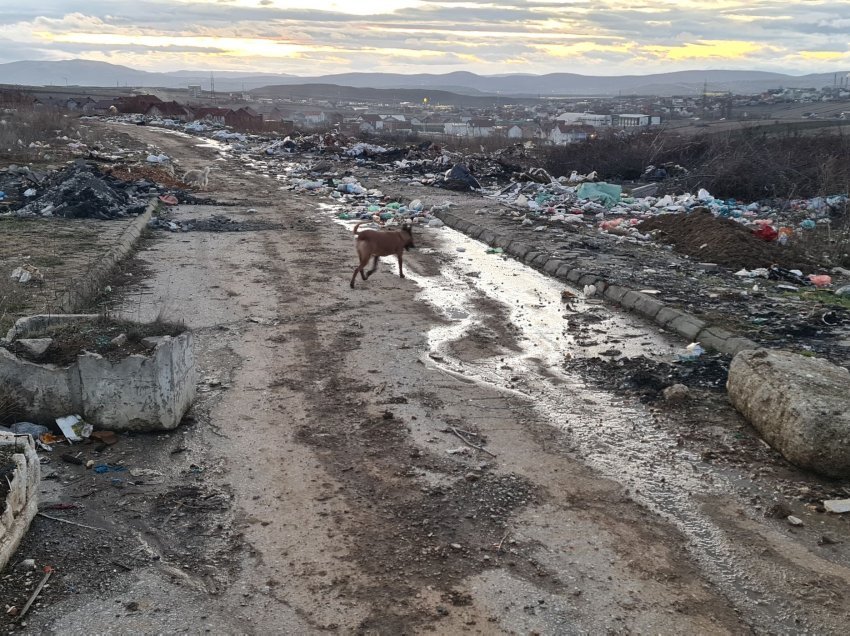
x,y
87,73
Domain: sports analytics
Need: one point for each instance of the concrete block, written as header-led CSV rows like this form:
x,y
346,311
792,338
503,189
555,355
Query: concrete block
x,y
799,405
529,257
552,265
736,345
518,250
667,314
45,389
140,392
647,306
714,338
588,279
461,226
686,326
615,293
539,261
502,241
562,271
21,503
574,274
487,237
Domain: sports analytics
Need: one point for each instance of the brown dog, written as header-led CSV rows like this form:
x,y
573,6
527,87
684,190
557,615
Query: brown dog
x,y
376,243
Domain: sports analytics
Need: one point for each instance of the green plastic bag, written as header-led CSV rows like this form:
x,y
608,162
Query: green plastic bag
x,y
607,194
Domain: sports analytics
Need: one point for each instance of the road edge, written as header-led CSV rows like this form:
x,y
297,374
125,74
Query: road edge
x,y
87,287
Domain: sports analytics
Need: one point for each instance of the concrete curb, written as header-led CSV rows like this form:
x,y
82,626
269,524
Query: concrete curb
x,y
83,290
669,318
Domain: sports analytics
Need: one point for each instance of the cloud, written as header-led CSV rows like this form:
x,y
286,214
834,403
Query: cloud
x,y
486,36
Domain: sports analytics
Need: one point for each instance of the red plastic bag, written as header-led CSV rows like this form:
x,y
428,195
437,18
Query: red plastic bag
x,y
766,233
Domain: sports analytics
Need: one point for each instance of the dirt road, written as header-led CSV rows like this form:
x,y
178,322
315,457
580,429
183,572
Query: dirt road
x,y
339,427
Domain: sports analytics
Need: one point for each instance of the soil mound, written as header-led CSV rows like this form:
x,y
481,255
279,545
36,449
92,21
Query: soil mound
x,y
710,239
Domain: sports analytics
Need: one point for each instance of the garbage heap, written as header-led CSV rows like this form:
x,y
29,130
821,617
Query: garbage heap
x,y
81,190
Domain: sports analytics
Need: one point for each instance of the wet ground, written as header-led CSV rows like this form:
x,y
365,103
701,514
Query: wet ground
x,y
461,451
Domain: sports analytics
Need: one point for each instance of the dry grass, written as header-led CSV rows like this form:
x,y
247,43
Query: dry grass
x,y
12,300
23,127
11,408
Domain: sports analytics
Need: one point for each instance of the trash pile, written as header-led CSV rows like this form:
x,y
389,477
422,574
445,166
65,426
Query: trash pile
x,y
81,190
215,223
535,197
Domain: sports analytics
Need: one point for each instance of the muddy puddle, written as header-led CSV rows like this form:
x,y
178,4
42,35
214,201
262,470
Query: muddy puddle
x,y
617,438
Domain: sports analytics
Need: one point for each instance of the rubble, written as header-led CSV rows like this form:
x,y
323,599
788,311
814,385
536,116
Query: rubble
x,y
81,190
215,223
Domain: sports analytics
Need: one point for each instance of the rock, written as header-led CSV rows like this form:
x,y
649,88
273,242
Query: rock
x,y
708,267
35,347
152,341
119,340
645,191
799,405
677,393
28,428
838,506
794,521
26,564
472,476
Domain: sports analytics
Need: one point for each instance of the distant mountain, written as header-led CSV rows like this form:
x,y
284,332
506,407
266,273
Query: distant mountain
x,y
87,73
388,96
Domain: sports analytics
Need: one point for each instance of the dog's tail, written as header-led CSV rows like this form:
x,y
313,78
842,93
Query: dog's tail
x,y
356,231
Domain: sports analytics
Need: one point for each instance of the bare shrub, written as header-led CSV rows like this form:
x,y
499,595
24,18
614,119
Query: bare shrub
x,y
829,242
745,164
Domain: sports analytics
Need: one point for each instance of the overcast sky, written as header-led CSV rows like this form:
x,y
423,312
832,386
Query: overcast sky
x,y
309,37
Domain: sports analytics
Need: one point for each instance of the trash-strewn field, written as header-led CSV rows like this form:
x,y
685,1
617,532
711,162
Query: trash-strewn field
x,y
475,448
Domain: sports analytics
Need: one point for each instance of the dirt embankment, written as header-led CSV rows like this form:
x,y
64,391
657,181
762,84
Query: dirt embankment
x,y
710,239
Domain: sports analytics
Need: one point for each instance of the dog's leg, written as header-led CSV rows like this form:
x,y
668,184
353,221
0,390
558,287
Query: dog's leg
x,y
400,273
374,268
364,260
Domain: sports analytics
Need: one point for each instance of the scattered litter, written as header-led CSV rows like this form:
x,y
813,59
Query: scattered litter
x,y
149,475
27,274
106,437
74,428
28,428
692,352
101,469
